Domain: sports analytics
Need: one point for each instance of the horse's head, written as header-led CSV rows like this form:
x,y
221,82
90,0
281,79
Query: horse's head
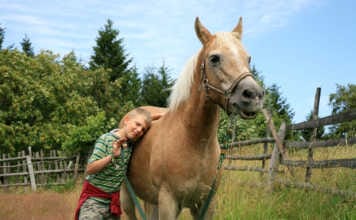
x,y
225,72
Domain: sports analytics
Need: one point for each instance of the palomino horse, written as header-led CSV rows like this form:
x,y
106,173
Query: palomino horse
x,y
175,164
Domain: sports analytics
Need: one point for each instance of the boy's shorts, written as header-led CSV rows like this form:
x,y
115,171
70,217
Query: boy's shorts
x,y
92,210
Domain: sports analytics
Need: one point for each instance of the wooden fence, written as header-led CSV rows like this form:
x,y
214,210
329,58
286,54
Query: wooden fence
x,y
279,155
37,169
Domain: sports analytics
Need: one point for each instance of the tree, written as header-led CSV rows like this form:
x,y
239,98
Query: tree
x,y
109,52
27,46
2,36
131,87
307,133
46,102
278,104
343,100
155,86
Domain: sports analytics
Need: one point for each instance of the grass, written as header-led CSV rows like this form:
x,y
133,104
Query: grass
x,y
241,194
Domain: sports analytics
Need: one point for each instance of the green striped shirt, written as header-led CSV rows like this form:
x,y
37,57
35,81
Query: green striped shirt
x,y
109,179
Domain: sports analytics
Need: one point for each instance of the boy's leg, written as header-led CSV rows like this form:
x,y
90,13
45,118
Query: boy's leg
x,y
93,210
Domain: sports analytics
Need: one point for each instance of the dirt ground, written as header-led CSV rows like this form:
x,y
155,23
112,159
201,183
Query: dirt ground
x,y
39,205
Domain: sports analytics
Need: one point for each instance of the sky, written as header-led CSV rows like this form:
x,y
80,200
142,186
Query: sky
x,y
298,45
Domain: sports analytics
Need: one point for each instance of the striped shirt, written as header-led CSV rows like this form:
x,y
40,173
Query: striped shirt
x,y
109,179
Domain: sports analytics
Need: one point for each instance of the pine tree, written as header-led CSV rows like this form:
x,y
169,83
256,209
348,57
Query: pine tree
x,y
131,87
278,104
27,46
109,52
155,86
2,36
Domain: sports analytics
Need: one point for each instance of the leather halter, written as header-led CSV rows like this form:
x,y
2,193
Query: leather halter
x,y
225,93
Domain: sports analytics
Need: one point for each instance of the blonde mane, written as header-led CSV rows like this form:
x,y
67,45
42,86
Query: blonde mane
x,y
181,89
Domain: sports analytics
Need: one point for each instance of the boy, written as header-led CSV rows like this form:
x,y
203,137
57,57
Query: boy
x,y
106,169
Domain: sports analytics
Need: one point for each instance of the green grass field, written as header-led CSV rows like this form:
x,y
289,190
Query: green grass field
x,y
242,194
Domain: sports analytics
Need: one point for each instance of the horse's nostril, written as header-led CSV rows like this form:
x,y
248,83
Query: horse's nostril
x,y
248,94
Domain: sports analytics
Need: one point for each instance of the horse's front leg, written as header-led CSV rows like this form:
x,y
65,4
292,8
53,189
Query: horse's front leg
x,y
196,210
127,203
168,205
151,211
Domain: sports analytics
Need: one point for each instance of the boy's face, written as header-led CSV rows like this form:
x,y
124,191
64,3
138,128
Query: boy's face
x,y
135,127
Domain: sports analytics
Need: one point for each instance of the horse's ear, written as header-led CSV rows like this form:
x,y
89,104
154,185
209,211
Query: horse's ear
x,y
203,34
238,29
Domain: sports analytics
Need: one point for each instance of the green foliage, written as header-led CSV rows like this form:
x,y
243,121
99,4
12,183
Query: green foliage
x,y
27,46
47,102
2,36
130,87
343,100
80,139
155,86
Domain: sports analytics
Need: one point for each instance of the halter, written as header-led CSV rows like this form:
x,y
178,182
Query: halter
x,y
225,93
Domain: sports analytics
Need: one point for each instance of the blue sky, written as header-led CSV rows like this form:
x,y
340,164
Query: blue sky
x,y
297,44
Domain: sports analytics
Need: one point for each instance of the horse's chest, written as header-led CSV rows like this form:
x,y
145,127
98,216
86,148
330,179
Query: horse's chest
x,y
193,183
193,190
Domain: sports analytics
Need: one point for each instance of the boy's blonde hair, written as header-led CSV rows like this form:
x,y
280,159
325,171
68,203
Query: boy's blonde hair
x,y
138,111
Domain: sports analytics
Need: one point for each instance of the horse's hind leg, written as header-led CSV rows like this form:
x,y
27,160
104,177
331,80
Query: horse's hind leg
x,y
151,211
127,203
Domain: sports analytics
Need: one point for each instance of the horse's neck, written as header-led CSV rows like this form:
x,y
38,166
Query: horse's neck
x,y
200,116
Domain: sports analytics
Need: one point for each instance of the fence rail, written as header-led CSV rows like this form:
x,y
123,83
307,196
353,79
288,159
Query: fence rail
x,y
329,120
279,155
251,157
348,163
317,144
298,144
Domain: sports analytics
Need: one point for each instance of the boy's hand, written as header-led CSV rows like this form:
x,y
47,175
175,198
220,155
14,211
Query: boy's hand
x,y
116,147
157,116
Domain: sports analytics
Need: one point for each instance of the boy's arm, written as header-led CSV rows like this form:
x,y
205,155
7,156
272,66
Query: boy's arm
x,y
156,112
98,165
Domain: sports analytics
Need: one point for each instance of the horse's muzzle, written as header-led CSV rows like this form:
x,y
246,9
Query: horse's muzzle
x,y
247,99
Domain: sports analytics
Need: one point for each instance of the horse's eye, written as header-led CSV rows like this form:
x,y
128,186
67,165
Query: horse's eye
x,y
214,59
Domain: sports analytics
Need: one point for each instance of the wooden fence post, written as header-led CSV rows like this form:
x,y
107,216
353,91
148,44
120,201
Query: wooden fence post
x,y
31,173
76,166
308,171
24,167
265,148
4,170
275,158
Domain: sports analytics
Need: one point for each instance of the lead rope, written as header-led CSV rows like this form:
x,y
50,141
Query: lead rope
x,y
225,146
132,192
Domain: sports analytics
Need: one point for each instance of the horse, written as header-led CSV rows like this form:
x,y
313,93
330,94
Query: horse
x,y
175,164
